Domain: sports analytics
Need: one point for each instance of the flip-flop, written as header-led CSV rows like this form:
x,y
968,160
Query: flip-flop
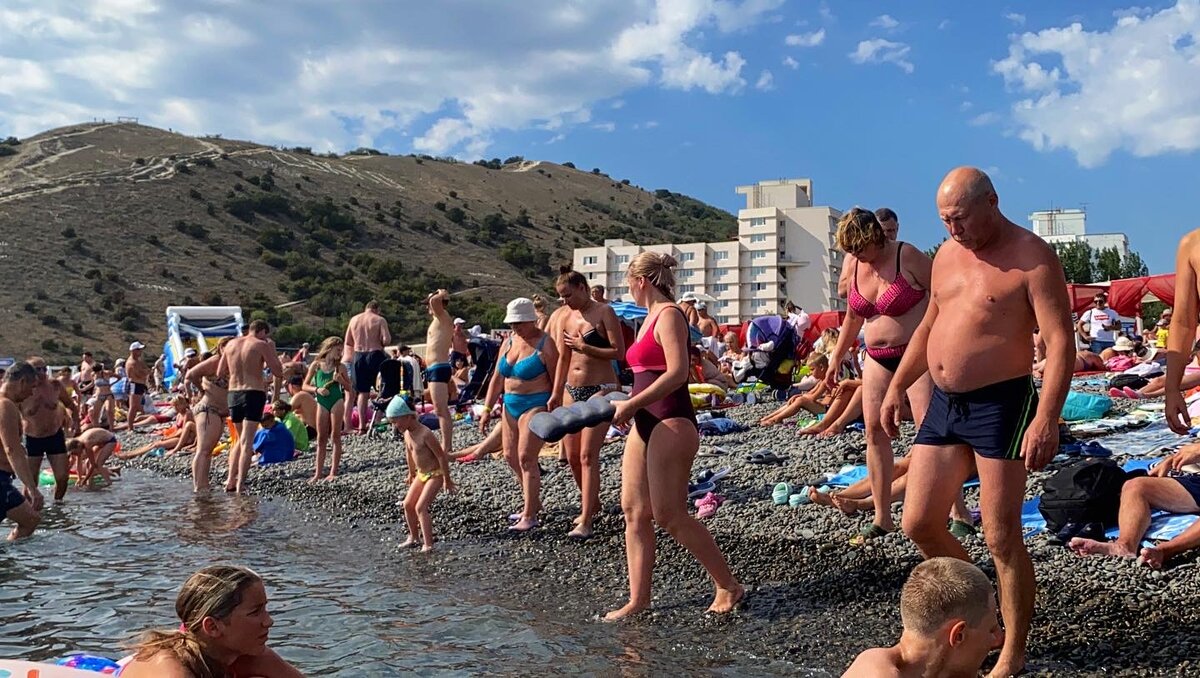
x,y
1095,449
781,493
709,474
701,489
869,532
536,524
765,457
800,498
961,530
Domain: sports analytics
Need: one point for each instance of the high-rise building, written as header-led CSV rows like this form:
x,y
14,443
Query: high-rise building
x,y
1070,225
785,250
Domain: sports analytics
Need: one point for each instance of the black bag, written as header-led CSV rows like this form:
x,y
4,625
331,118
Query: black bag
x,y
1132,381
1085,492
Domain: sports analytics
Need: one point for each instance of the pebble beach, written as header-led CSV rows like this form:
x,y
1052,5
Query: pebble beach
x,y
813,599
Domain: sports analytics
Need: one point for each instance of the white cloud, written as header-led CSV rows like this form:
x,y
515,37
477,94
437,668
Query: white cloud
x,y
791,63
617,104
556,138
766,81
649,124
805,39
1018,19
448,76
605,126
825,11
944,24
966,106
885,21
1131,88
983,119
880,51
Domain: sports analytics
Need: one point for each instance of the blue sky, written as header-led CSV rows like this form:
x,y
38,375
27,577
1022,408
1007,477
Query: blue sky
x,y
1065,103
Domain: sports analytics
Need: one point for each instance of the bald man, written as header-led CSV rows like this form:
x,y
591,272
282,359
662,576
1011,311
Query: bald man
x,y
993,281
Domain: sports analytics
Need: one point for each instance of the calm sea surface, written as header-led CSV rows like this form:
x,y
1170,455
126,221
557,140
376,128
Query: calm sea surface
x,y
108,564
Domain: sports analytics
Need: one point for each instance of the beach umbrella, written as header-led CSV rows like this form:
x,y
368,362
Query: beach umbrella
x,y
628,311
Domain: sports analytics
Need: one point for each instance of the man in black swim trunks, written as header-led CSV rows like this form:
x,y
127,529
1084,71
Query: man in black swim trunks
x,y
993,281
243,360
42,418
20,380
138,376
366,335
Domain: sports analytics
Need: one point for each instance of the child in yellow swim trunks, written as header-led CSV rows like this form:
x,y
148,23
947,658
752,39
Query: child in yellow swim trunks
x,y
428,471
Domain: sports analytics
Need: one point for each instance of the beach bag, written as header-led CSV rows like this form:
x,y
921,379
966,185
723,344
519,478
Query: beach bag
x,y
1085,406
1125,380
1085,492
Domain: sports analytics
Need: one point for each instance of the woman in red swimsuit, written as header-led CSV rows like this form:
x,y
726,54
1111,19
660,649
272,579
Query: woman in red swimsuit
x,y
889,293
662,443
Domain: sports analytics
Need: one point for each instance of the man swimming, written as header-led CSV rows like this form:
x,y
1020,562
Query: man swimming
x,y
993,281
366,335
20,380
243,360
438,370
42,419
948,610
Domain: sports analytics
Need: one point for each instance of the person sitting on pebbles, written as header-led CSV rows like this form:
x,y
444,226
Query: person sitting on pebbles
x,y
428,470
816,401
948,609
1173,486
844,409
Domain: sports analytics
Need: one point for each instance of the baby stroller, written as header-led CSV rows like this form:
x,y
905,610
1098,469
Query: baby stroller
x,y
771,344
391,380
484,353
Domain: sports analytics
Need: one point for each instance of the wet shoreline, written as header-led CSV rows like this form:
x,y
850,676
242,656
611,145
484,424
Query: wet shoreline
x,y
814,600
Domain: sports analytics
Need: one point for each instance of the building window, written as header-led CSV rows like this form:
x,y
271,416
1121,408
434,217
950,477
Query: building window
x,y
758,287
686,273
758,255
759,237
718,273
687,256
622,258
721,287
687,288
758,221
758,270
720,255
589,261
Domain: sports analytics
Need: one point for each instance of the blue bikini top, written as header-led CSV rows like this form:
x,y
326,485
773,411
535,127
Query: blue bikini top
x,y
525,369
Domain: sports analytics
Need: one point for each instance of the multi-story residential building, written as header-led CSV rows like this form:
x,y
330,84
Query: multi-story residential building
x,y
1064,226
785,250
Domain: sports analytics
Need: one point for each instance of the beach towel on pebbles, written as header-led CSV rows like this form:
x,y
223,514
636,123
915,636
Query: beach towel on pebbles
x,y
720,426
1163,525
850,474
1151,440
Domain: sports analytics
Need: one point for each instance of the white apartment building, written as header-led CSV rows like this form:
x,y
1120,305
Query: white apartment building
x,y
1064,226
785,250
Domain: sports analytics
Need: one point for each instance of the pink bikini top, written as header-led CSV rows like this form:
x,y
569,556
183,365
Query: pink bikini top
x,y
899,298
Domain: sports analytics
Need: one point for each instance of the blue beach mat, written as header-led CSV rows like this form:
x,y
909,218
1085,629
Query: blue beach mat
x,y
851,474
1140,442
1163,525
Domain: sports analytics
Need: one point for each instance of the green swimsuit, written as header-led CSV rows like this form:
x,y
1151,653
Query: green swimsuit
x,y
321,379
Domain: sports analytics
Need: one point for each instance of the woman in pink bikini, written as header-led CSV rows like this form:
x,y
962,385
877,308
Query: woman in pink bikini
x,y
888,292
662,443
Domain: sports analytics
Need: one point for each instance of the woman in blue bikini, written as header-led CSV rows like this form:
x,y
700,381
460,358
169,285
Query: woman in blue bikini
x,y
526,364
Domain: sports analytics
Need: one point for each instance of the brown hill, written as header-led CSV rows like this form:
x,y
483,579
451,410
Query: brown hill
x,y
104,225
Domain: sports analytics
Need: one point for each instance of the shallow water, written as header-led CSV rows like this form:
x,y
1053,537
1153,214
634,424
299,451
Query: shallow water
x,y
108,564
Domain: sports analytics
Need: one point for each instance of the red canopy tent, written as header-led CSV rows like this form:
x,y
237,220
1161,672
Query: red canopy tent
x,y
1125,296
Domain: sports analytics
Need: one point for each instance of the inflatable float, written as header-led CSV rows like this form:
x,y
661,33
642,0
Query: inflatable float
x,y
12,668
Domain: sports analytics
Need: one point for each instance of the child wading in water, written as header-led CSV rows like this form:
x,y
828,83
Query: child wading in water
x,y
428,470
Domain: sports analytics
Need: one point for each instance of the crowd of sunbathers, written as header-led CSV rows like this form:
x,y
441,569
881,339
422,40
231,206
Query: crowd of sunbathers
x,y
979,414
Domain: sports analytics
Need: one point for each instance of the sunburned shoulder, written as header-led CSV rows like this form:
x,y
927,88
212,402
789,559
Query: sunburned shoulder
x,y
161,665
876,663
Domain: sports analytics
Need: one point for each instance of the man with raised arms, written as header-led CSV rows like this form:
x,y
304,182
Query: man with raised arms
x,y
366,335
993,281
19,383
437,361
242,361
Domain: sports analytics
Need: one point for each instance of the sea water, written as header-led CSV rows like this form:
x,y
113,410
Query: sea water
x,y
108,564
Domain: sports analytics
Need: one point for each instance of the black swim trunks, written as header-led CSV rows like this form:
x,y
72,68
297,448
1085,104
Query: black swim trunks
x,y
366,369
51,444
312,432
10,497
1191,483
138,389
438,373
247,405
991,420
